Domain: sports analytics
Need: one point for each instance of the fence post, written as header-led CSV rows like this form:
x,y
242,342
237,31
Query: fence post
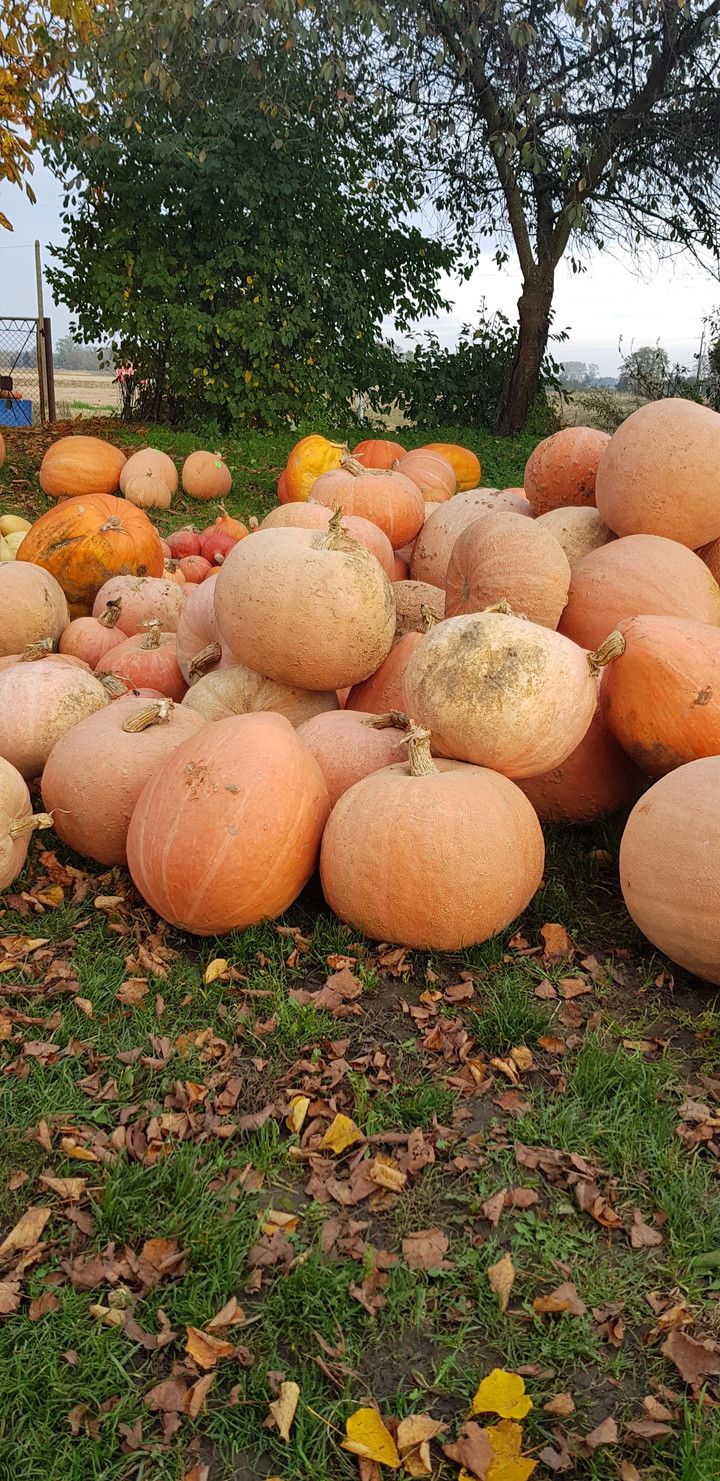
x,y
49,370
41,371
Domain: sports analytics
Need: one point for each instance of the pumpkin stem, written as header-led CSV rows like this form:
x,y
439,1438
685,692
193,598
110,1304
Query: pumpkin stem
x,y
157,713
358,469
504,606
613,647
152,637
17,827
395,718
111,616
33,651
428,617
113,523
336,537
113,686
417,741
204,660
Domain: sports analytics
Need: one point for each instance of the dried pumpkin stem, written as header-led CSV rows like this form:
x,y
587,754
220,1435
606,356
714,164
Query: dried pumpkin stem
x,y
504,606
158,713
18,827
417,741
429,618
613,647
337,538
152,638
353,465
33,651
111,616
113,523
113,686
204,660
397,719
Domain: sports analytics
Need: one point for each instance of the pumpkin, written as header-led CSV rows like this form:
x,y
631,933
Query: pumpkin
x,y
195,569
85,541
710,556
402,845
410,598
13,524
33,607
149,462
660,692
216,546
75,466
308,608
385,689
670,866
377,452
197,645
38,703
226,524
433,547
94,775
659,475
578,530
10,544
35,651
562,469
594,781
639,574
400,571
506,557
500,692
147,492
387,499
310,457
465,465
237,690
282,491
148,660
348,745
141,598
184,542
309,515
17,821
172,572
227,832
90,638
205,476
431,473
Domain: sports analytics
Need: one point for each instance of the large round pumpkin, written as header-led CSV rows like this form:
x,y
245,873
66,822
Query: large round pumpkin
x,y
506,557
387,499
660,474
17,822
85,541
435,855
141,599
227,833
500,692
378,452
562,469
149,462
310,609
310,457
638,574
433,474
348,745
81,466
237,690
465,464
433,547
578,529
148,660
410,599
595,780
205,476
32,607
38,703
670,866
90,638
660,692
309,515
147,492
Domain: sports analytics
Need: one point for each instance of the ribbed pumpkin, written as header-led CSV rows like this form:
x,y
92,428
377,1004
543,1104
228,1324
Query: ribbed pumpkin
x,y
433,547
148,660
282,490
198,647
500,692
348,745
310,457
640,574
85,541
307,608
75,466
33,607
410,598
149,462
387,499
506,557
309,515
184,542
227,833
433,474
578,530
205,476
378,452
562,469
94,776
670,866
660,474
17,822
195,569
237,690
435,855
465,464
596,780
38,703
660,691
147,493
172,572
141,599
90,638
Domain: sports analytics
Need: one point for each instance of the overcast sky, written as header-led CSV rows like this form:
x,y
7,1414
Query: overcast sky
x,y
665,303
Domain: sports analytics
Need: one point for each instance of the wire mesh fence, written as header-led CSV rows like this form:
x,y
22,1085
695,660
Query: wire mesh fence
x,y
19,372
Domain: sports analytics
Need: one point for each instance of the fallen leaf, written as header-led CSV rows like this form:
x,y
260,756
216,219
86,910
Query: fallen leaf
x,y
695,1361
628,1472
501,1277
85,1006
524,1197
426,1250
647,1429
10,1293
562,1405
199,1472
132,992
275,1218
17,1179
573,987
491,1208
556,1460
604,1434
508,1464
655,1410
472,1450
522,1057
230,1315
27,1231
557,941
68,1188
385,1172
167,1397
565,1298
283,1408
545,990
367,1436
641,1235
205,1349
43,1305
341,1134
413,1442
552,1044
196,1396
504,1394
70,1147
297,1113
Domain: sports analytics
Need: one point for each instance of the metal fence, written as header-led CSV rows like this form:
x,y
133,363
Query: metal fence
x,y
26,390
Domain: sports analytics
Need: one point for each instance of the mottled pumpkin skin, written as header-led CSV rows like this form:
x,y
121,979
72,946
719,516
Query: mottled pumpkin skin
x,y
32,606
81,465
433,474
465,464
563,468
433,546
347,747
660,474
638,574
15,807
149,462
86,540
310,457
579,529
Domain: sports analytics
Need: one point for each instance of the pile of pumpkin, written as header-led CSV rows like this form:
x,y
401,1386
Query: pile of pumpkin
x,y
397,676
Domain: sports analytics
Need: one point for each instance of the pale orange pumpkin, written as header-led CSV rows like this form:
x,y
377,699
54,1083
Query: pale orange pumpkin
x,y
80,466
197,644
387,499
227,832
149,462
147,492
464,463
33,607
310,457
410,598
505,557
660,692
378,452
17,821
90,638
141,599
148,660
433,547
639,574
432,474
309,515
385,689
578,530
84,541
38,703
659,474
400,571
348,745
563,468
597,779
205,476
237,690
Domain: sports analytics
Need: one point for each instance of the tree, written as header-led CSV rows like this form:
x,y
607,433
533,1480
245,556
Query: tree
x,y
647,367
69,355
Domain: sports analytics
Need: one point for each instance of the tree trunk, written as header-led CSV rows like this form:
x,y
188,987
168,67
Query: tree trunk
x,y
534,307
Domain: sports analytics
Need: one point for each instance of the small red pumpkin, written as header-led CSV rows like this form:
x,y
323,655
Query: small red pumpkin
x,y
148,660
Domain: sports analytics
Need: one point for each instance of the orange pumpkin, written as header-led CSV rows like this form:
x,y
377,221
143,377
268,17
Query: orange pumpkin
x,y
17,822
86,540
435,855
670,866
141,598
385,689
659,475
594,781
433,547
660,692
33,607
506,557
465,465
308,515
387,499
227,832
81,465
377,452
410,598
400,571
310,457
148,660
90,638
638,574
282,492
237,690
197,644
149,462
147,492
348,745
432,474
563,468
206,476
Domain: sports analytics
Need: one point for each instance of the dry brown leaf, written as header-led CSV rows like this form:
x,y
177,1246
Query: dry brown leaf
x,y
205,1349
603,1434
85,1006
10,1294
17,1179
565,1298
27,1231
43,1305
552,1044
628,1472
283,1408
522,1057
655,1410
413,1442
695,1361
642,1236
647,1429
167,1397
426,1250
71,1189
563,1405
132,992
573,987
230,1315
501,1277
472,1450
557,941
385,1172
196,1396
545,990
491,1208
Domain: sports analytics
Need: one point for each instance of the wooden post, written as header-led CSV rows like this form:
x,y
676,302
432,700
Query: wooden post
x,y
49,370
40,355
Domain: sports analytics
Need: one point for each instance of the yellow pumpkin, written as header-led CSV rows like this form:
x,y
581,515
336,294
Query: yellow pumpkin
x,y
468,470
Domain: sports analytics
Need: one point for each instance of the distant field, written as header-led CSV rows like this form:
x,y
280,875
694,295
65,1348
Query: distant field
x,y
84,393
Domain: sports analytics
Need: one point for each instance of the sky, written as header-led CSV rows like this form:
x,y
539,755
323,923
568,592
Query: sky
x,y
666,302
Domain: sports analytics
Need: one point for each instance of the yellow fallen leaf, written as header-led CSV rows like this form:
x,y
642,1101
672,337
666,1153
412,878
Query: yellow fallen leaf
x,y
206,1349
6,1027
340,1135
275,1218
297,1113
501,1277
27,1231
506,1469
81,1154
215,969
504,1394
53,896
385,1172
522,1057
505,1438
283,1409
109,1316
413,1442
367,1436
